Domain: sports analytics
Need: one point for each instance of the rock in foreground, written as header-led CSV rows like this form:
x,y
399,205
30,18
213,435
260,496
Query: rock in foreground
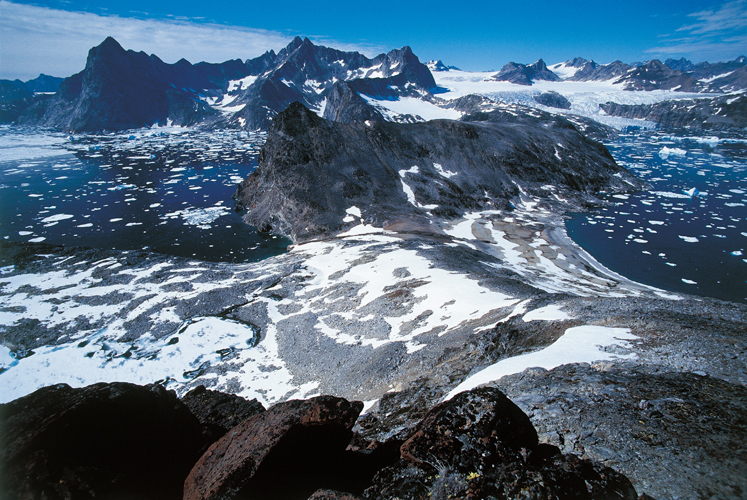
x,y
113,440
481,445
125,441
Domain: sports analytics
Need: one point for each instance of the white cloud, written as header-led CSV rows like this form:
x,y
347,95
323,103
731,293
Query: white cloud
x,y
731,16
716,35
56,42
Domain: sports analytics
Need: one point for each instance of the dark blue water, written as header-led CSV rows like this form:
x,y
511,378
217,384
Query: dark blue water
x,y
169,192
666,237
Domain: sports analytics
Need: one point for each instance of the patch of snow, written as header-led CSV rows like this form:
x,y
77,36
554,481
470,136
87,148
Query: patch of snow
x,y
580,344
547,313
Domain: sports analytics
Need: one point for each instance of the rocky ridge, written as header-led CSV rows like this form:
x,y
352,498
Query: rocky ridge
x,y
121,89
716,113
311,170
525,74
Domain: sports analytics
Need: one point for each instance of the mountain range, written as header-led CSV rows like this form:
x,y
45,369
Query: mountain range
x,y
121,89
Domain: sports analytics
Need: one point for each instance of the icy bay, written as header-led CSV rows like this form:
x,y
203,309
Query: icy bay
x,y
689,232
167,190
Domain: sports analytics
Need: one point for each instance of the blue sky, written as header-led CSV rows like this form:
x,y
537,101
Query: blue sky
x,y
54,36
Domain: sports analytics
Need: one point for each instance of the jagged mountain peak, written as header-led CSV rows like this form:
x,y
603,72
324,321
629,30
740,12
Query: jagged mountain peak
x,y
578,62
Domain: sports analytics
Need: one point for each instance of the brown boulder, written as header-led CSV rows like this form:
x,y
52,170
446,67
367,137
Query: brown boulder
x,y
286,452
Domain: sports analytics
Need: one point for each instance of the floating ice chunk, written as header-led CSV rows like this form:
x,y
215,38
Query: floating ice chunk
x,y
666,152
737,253
57,217
121,186
692,192
25,233
668,194
656,222
85,225
37,240
689,282
116,219
689,239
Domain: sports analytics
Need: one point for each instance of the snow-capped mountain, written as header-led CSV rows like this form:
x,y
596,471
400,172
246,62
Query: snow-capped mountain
x,y
525,74
121,88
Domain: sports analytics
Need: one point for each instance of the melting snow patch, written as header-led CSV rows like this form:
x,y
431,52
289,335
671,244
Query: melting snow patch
x,y
444,173
352,212
178,358
580,344
547,313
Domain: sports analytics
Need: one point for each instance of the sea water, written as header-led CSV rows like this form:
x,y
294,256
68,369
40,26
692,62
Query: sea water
x,y
167,190
688,233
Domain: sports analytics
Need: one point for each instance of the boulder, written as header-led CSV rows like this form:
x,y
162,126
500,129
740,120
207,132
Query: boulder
x,y
289,451
219,411
97,441
481,445
324,494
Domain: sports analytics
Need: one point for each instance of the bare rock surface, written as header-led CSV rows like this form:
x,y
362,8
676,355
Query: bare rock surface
x,y
481,445
635,418
253,458
102,441
219,411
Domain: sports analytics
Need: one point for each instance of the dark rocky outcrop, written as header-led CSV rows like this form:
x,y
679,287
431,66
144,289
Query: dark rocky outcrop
x,y
44,83
254,459
125,441
524,74
14,99
344,105
592,71
121,89
655,75
717,113
553,100
481,445
312,170
218,411
113,440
